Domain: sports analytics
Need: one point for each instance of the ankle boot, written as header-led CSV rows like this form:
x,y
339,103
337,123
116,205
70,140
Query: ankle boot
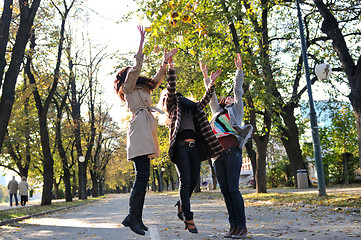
x,y
132,219
145,228
239,233
231,231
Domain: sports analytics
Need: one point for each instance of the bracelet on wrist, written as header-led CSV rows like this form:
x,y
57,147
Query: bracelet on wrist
x,y
165,62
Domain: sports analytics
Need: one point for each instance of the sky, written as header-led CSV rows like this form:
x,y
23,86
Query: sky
x,y
122,36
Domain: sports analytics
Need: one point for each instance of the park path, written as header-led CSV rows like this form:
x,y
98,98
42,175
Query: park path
x,y
102,220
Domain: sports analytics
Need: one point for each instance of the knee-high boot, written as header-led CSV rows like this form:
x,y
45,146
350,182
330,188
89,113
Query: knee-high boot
x,y
135,207
145,228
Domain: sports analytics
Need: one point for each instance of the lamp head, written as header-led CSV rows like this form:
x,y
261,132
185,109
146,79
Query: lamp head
x,y
323,71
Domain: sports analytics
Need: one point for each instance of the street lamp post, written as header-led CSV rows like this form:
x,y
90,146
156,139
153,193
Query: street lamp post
x,y
313,117
81,191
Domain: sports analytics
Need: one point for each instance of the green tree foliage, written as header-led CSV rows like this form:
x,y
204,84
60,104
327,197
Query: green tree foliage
x,y
339,140
21,147
341,24
266,34
4,194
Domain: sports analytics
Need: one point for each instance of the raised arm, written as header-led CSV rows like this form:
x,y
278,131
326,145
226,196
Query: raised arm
x,y
134,72
142,36
171,86
210,88
213,103
158,78
238,81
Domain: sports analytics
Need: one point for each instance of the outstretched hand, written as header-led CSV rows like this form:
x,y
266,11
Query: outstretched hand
x,y
238,62
142,36
204,70
214,76
168,55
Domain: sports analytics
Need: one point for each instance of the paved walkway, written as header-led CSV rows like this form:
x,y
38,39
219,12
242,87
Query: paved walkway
x,y
102,220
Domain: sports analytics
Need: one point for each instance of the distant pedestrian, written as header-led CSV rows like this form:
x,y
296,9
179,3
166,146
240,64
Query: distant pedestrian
x,y
23,191
13,191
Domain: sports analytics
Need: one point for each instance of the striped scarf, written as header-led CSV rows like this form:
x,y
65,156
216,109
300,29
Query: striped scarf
x,y
222,127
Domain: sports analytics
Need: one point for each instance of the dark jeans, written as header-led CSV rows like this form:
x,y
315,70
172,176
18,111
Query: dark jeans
x,y
23,199
228,167
188,165
11,199
142,168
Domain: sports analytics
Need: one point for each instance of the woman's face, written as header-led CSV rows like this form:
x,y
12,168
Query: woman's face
x,y
229,100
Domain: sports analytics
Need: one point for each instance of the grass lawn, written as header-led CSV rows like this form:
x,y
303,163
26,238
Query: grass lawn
x,y
351,199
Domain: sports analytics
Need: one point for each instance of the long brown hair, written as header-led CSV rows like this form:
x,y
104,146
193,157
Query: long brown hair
x,y
141,81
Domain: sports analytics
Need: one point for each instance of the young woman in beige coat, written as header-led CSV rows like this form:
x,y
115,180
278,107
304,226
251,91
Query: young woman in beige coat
x,y
142,141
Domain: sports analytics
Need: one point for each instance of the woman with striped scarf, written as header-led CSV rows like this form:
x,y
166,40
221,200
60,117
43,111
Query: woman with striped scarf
x,y
227,126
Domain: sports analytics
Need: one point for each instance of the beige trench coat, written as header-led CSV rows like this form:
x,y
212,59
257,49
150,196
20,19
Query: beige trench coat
x,y
142,136
23,188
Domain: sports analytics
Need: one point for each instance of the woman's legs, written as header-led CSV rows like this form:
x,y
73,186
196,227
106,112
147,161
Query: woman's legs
x,y
195,167
228,167
188,167
136,200
142,172
221,174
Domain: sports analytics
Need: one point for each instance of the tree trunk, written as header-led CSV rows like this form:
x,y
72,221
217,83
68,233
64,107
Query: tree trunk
x,y
154,186
346,160
60,147
261,180
171,178
48,162
27,15
4,34
27,134
74,185
65,166
93,176
253,157
358,125
290,140
159,180
56,189
75,113
101,187
214,176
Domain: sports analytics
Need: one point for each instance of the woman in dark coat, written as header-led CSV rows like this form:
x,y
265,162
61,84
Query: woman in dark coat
x,y
191,140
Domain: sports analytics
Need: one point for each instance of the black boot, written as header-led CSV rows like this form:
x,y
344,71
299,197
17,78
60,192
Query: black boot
x,y
145,228
135,205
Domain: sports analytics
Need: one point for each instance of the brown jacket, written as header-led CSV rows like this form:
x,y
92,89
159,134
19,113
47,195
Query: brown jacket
x,y
142,128
208,143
